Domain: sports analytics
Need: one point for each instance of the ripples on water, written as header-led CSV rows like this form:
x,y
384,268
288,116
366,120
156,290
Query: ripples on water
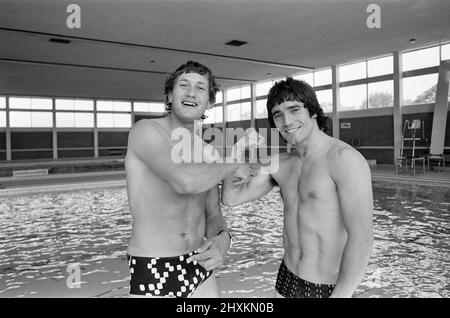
x,y
41,234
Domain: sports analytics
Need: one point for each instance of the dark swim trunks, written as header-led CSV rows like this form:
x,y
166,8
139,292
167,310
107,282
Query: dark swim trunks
x,y
165,276
290,285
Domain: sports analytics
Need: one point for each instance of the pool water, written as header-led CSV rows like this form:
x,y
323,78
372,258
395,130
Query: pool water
x,y
43,235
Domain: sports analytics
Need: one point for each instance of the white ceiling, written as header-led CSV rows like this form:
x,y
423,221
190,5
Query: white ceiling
x,y
109,56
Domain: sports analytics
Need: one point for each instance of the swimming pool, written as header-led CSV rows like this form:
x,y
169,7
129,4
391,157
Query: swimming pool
x,y
42,234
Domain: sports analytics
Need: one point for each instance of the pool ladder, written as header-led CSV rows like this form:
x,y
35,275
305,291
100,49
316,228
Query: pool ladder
x,y
409,145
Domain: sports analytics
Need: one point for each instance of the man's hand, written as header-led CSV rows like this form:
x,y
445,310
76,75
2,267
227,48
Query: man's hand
x,y
244,173
212,252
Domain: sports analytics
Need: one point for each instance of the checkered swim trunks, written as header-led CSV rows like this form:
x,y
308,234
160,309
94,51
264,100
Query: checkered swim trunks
x,y
165,276
290,285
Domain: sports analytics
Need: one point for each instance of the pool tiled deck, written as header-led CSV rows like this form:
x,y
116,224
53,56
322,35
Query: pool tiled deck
x,y
92,180
433,177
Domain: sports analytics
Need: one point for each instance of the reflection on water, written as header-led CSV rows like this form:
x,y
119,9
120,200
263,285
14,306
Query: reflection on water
x,y
40,235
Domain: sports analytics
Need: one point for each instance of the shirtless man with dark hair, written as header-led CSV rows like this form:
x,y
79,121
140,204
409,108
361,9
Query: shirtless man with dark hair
x,y
327,193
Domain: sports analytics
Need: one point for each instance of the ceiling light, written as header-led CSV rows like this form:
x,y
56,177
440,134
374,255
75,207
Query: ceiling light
x,y
235,43
58,40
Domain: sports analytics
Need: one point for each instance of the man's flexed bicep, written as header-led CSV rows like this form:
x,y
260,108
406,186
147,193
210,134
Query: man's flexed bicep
x,y
152,146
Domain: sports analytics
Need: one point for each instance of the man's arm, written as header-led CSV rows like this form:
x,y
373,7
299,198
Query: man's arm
x,y
241,187
153,147
214,249
353,181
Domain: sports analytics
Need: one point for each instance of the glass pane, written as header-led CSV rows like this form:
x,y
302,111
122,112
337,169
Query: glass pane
x,y
218,114
103,105
20,102
352,71
2,102
233,94
210,116
234,112
157,107
122,106
245,92
419,89
322,77
122,120
83,104
20,119
215,115
84,120
141,107
65,104
381,94
41,103
41,119
246,111
420,59
2,119
263,88
445,52
381,66
308,78
65,120
105,120
353,97
325,99
261,108
219,97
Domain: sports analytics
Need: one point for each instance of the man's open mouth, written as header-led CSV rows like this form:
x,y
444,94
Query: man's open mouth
x,y
189,103
292,130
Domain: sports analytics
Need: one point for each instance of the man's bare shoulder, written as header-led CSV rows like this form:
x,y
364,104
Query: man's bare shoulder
x,y
285,163
342,157
147,133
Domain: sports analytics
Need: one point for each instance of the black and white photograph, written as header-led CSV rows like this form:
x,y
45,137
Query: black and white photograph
x,y
246,150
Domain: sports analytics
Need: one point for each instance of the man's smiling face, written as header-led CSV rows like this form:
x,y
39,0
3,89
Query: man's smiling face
x,y
190,96
293,121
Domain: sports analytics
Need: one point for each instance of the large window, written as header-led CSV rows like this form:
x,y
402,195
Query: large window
x,y
214,115
74,104
262,89
261,108
353,97
420,89
219,97
28,112
149,107
325,99
322,77
239,111
2,119
2,112
420,59
74,113
380,66
445,52
381,94
352,71
113,114
74,120
368,91
238,93
308,78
